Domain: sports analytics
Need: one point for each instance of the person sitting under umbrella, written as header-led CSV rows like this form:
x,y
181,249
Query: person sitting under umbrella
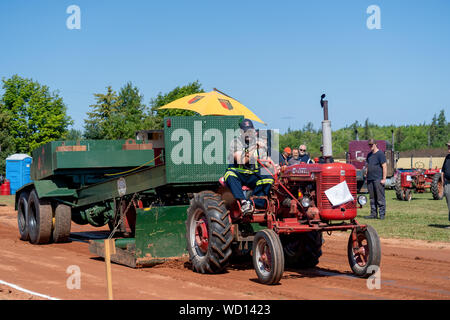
x,y
244,169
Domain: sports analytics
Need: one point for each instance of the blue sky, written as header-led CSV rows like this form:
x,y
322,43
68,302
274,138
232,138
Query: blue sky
x,y
276,57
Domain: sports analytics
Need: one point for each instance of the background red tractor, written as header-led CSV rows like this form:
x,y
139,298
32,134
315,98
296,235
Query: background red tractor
x,y
418,181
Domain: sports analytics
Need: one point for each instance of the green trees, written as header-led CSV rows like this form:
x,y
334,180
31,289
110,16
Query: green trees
x,y
119,116
35,115
155,119
6,140
409,137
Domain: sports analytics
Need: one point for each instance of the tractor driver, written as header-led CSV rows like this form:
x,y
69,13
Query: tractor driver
x,y
244,169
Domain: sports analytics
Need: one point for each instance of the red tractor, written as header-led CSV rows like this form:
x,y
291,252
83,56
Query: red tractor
x,y
418,181
298,210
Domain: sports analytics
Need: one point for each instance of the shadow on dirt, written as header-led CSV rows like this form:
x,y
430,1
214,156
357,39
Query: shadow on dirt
x,y
89,235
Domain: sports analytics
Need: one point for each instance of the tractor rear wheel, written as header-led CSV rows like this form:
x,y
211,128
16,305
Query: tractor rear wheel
x,y
208,233
398,187
365,258
268,257
437,187
63,220
39,220
22,215
303,250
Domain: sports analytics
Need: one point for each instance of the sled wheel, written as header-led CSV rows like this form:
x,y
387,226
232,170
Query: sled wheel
x,y
63,219
22,214
39,219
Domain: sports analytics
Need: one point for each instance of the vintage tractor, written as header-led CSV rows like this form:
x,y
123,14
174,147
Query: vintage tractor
x,y
162,199
418,181
298,210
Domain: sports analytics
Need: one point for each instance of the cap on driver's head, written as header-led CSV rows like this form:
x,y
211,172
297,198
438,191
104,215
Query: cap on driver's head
x,y
246,124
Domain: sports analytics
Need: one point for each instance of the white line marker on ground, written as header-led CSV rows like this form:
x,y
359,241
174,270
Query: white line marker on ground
x,y
27,291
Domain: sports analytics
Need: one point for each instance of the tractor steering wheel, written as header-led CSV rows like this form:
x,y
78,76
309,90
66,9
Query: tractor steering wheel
x,y
268,164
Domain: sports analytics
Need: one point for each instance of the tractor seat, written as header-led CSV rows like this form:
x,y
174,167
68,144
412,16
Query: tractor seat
x,y
223,184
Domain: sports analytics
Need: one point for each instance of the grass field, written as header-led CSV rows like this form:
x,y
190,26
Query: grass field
x,y
422,218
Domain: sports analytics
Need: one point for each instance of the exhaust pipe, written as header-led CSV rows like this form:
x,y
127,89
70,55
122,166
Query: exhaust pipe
x,y
326,130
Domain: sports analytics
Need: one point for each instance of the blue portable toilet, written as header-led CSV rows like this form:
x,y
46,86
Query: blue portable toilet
x,y
18,170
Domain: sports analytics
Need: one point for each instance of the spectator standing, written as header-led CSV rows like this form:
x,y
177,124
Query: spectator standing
x,y
295,157
376,170
303,156
445,175
286,154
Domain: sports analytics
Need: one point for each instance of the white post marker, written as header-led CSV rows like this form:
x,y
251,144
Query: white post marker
x,y
110,248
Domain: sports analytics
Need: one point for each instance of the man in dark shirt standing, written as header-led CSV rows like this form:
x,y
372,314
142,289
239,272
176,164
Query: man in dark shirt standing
x,y
376,170
445,173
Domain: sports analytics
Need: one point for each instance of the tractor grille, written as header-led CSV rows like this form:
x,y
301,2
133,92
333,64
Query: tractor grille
x,y
331,181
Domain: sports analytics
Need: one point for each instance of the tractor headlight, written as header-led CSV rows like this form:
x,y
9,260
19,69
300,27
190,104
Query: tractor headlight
x,y
306,202
362,200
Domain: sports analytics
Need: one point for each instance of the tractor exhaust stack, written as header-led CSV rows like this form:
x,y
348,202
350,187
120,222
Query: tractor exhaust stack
x,y
326,130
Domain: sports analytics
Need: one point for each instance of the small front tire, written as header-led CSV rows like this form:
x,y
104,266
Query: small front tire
x,y
268,257
365,258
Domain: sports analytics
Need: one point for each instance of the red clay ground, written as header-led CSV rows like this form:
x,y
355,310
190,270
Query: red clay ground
x,y
409,270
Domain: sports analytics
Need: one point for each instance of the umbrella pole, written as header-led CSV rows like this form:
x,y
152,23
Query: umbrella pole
x,y
223,93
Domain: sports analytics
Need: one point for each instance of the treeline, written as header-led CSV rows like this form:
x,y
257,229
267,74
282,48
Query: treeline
x,y
410,137
32,115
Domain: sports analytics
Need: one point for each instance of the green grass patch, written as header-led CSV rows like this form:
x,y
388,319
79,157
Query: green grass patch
x,y
7,200
421,218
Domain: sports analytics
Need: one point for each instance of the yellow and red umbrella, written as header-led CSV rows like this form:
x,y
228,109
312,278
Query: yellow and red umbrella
x,y
212,103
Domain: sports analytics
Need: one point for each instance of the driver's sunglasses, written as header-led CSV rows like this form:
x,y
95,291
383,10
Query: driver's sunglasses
x,y
302,149
370,144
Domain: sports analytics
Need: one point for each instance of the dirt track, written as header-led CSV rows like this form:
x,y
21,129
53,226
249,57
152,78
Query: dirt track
x,y
409,270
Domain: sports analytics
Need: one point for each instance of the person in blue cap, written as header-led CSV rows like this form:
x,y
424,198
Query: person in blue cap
x,y
244,169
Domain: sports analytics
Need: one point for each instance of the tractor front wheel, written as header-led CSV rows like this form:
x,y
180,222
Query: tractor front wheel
x,y
437,187
208,233
364,251
268,257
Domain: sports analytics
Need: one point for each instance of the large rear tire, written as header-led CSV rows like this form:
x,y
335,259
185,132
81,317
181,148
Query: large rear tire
x,y
365,259
303,250
39,219
268,257
208,233
63,219
437,187
22,215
